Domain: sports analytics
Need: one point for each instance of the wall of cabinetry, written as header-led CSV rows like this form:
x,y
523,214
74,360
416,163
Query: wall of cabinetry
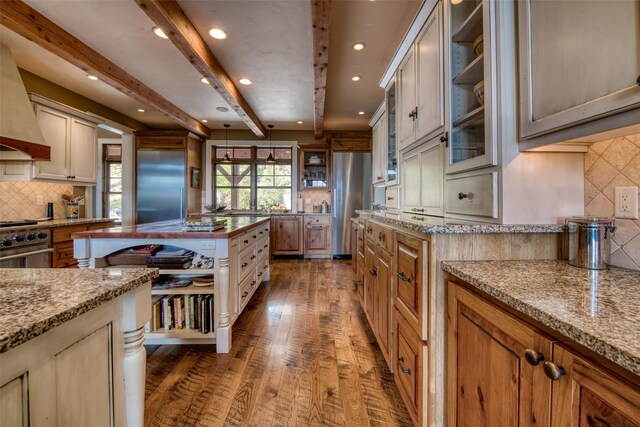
x,y
496,373
457,86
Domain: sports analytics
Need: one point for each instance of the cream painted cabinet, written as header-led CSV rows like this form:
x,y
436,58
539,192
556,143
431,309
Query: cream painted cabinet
x,y
421,104
379,157
73,143
592,73
422,167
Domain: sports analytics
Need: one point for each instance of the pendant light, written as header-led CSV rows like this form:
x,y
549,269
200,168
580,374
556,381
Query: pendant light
x,y
270,159
226,158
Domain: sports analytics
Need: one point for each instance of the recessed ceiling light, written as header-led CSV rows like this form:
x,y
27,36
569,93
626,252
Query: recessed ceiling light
x,y
217,33
355,78
204,80
158,31
204,120
222,109
361,113
358,46
299,122
140,110
245,81
90,77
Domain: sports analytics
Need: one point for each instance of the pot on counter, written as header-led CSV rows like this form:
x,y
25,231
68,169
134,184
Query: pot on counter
x,y
590,241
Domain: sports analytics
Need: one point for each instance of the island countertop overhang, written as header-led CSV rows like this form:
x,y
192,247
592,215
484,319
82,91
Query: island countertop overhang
x,y
173,230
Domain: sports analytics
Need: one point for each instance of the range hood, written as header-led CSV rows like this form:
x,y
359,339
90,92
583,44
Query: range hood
x,y
20,135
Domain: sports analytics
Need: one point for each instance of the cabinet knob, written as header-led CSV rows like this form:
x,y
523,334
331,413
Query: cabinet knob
x,y
403,277
246,241
465,196
368,229
533,357
378,177
389,198
553,371
373,272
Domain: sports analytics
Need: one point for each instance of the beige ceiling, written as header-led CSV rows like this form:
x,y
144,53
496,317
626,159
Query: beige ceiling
x,y
268,42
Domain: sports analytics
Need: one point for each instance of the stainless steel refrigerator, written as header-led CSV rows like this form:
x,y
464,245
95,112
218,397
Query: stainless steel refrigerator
x,y
351,182
161,176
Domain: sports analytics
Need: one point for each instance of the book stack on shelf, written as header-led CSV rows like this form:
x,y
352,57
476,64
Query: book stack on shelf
x,y
171,258
182,312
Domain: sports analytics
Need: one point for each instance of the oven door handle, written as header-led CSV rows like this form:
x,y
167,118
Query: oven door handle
x,y
26,254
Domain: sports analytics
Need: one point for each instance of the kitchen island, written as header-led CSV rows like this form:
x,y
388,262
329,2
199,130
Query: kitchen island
x,y
71,346
554,342
234,259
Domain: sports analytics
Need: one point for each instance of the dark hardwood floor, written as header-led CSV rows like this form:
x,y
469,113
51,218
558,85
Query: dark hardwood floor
x,y
303,354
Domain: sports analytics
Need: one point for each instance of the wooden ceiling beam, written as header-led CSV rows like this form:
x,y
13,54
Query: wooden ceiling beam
x,y
32,25
320,26
168,15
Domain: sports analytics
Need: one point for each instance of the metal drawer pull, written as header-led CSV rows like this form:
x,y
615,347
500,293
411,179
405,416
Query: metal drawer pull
x,y
406,371
244,265
465,196
403,277
254,236
244,294
259,251
246,241
381,236
553,371
368,229
253,283
253,257
259,274
417,218
533,357
417,210
373,272
389,198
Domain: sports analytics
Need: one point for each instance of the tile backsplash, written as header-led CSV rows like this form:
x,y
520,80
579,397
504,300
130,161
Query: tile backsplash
x,y
18,200
610,164
315,197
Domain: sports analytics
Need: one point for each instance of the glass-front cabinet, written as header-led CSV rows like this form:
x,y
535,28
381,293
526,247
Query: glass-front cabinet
x,y
470,29
315,170
391,163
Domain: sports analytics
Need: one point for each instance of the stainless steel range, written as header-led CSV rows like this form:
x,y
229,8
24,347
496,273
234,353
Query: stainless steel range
x,y
24,246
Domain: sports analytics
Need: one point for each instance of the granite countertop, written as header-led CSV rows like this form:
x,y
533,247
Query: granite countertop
x,y
434,224
595,308
36,300
173,230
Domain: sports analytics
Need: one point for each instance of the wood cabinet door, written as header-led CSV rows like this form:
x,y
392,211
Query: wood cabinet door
x,y
592,74
83,154
407,99
288,235
55,128
316,238
430,69
585,396
490,381
385,304
370,285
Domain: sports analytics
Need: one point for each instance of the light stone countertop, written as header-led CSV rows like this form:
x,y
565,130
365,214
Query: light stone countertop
x,y
62,222
36,300
598,309
433,224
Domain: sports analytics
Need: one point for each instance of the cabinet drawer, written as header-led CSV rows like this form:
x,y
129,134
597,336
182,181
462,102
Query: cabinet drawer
x,y
320,219
247,239
262,247
360,244
247,261
382,236
100,226
262,231
261,269
246,289
62,256
392,198
409,368
63,234
411,276
473,195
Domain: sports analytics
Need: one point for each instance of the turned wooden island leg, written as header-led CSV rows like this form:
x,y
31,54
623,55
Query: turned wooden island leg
x,y
223,332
